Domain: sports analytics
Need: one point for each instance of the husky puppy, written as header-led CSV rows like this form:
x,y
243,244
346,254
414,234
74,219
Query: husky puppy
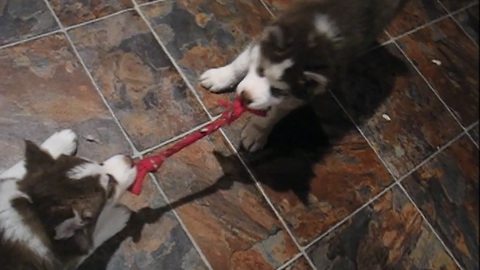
x,y
313,42
55,209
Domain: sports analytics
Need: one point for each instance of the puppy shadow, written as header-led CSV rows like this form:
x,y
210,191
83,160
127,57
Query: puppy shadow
x,y
298,142
147,215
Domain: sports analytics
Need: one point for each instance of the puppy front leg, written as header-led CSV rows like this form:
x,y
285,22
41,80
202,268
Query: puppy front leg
x,y
62,142
255,133
218,79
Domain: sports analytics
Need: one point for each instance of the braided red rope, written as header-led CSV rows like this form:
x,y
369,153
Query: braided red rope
x,y
147,164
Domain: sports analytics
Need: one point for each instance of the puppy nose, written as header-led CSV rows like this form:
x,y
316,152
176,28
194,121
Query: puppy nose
x,y
128,160
245,98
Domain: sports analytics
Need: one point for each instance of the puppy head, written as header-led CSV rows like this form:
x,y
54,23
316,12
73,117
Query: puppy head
x,y
69,193
277,69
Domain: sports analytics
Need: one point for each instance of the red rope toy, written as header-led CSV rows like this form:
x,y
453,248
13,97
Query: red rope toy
x,y
147,164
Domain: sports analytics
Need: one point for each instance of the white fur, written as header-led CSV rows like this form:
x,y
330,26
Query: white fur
x,y
122,171
324,25
217,79
257,87
117,166
85,170
11,222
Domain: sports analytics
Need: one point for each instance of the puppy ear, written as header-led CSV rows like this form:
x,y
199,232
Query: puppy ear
x,y
277,36
36,158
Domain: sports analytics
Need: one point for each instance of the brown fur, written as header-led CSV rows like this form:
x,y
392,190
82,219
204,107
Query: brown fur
x,y
52,199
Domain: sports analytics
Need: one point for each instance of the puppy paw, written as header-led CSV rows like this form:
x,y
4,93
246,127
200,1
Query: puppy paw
x,y
254,136
218,79
62,142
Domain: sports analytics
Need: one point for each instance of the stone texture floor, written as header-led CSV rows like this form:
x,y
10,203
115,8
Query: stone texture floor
x,y
384,175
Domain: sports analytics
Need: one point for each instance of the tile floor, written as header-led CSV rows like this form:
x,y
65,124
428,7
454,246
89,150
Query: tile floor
x,y
382,176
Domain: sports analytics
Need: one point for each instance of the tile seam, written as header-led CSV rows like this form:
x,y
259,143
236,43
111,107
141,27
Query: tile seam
x,y
94,83
197,97
173,61
457,22
434,21
267,199
291,261
180,221
429,225
432,89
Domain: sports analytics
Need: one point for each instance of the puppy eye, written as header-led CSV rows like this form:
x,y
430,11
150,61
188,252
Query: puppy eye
x,y
261,71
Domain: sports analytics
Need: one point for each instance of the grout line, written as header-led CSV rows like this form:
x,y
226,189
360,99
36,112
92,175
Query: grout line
x,y
30,39
289,262
173,61
77,54
67,28
457,22
384,191
429,85
267,8
269,202
446,16
344,220
465,131
180,221
192,89
429,225
470,128
150,3
433,155
63,29
175,138
363,135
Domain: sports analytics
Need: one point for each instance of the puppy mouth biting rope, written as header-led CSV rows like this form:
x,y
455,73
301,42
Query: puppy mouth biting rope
x,y
233,110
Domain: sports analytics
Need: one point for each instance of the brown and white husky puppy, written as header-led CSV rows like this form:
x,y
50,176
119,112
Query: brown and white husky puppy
x,y
55,209
314,41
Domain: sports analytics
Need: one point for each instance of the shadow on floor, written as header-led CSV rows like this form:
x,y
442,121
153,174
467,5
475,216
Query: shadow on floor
x,y
296,144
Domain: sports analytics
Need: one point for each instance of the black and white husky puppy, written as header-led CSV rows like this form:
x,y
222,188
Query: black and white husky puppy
x,y
55,209
314,41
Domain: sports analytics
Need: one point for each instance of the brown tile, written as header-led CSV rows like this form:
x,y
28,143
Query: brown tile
x,y
137,78
446,190
474,134
74,12
205,34
455,78
21,19
317,169
45,89
415,13
153,240
397,111
387,234
224,212
453,5
469,19
299,264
